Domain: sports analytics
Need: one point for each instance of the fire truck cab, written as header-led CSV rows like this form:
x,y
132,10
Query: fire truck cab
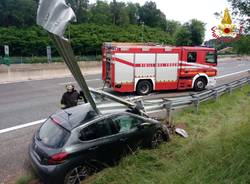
x,y
129,67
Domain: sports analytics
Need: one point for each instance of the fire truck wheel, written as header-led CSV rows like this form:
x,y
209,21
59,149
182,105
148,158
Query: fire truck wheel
x,y
144,87
200,84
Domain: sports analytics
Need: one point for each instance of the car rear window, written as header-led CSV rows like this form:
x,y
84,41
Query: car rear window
x,y
52,134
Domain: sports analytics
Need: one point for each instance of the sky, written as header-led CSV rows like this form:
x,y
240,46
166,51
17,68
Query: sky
x,y
185,10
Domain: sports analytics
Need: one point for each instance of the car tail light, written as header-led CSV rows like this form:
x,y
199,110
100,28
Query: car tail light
x,y
58,158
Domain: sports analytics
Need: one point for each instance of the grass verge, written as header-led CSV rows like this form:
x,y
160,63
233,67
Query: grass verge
x,y
217,150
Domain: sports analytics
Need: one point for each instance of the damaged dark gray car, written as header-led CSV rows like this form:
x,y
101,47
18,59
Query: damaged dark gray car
x,y
74,143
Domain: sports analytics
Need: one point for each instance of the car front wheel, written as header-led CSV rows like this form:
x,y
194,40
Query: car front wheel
x,y
157,139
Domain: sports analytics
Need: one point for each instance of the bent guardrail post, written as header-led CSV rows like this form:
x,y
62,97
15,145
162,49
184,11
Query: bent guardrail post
x,y
54,16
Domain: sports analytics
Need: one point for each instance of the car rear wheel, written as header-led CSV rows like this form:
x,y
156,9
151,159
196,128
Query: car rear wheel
x,y
144,87
77,175
157,139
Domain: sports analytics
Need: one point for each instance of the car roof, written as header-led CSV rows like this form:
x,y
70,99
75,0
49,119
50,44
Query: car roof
x,y
75,116
81,114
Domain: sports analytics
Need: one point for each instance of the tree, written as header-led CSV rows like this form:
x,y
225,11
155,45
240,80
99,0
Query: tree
x,y
242,8
17,12
119,13
80,8
100,14
190,33
197,29
242,46
183,36
151,16
172,26
133,12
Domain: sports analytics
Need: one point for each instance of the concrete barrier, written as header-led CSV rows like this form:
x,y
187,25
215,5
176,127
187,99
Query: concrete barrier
x,y
24,72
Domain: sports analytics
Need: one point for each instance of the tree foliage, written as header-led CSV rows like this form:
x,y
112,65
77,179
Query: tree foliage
x,y
80,8
18,13
151,16
197,29
172,26
242,9
191,33
85,38
100,13
183,36
242,46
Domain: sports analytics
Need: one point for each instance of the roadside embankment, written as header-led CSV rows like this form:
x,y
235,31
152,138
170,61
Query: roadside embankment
x,y
216,151
25,72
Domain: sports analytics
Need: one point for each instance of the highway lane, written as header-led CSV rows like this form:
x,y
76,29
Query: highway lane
x,y
29,101
24,102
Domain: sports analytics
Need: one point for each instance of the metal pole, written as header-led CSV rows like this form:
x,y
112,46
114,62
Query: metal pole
x,y
66,52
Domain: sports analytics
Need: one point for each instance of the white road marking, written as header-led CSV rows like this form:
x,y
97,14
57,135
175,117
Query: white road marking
x,y
74,82
230,74
21,126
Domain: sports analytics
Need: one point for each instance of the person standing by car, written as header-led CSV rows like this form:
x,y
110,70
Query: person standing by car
x,y
71,97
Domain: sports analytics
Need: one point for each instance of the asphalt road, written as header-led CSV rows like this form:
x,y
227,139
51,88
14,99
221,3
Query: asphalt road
x,y
29,101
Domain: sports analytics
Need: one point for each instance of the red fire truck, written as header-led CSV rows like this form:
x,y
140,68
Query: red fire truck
x,y
129,67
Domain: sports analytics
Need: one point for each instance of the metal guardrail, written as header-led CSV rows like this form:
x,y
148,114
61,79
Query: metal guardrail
x,y
194,99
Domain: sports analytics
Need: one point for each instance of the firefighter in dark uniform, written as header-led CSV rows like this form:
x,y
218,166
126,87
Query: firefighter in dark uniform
x,y
71,97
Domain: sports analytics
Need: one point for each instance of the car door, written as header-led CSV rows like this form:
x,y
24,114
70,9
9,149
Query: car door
x,y
131,134
103,144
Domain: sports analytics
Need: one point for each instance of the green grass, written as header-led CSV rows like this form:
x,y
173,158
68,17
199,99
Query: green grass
x,y
217,150
24,179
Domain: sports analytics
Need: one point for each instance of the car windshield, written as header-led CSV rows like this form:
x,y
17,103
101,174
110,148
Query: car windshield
x,y
52,134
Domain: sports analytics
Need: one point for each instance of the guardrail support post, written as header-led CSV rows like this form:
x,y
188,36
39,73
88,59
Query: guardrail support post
x,y
216,95
229,89
168,105
197,103
241,86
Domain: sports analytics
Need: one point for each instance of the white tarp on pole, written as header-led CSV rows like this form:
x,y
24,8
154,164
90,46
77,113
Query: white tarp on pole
x,y
54,15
